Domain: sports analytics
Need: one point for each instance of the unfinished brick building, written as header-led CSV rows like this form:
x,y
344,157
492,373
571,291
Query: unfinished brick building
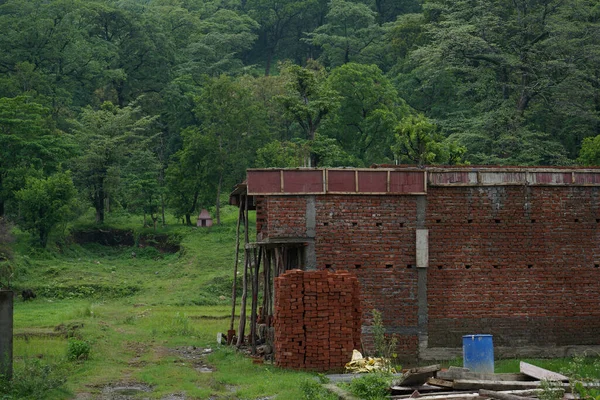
x,y
445,252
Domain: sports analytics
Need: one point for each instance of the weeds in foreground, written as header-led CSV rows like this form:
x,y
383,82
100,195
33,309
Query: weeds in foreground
x,y
313,390
582,373
385,346
551,390
375,386
33,380
78,350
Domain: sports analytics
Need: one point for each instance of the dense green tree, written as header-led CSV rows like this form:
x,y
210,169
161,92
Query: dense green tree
x,y
190,177
217,152
136,51
286,154
142,190
105,138
44,203
307,100
388,10
350,33
29,144
590,151
418,142
218,44
276,18
370,108
492,71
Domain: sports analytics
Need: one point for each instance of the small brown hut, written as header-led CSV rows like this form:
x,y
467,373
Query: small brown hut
x,y
204,219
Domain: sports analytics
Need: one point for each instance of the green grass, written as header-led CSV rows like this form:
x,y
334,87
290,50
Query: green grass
x,y
135,312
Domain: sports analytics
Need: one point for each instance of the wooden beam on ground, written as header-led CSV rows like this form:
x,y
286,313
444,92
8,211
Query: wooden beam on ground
x,y
440,383
500,395
441,396
463,373
541,373
425,388
418,376
476,384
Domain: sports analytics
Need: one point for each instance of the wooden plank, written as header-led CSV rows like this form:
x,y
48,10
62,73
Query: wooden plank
x,y
464,373
421,389
500,395
418,376
441,396
476,384
440,383
541,373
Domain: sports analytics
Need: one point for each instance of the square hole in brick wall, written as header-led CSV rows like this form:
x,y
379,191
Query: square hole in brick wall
x,y
437,221
325,223
529,266
327,265
533,221
469,221
355,224
409,266
496,266
467,266
576,219
378,224
389,265
440,267
401,224
357,266
497,221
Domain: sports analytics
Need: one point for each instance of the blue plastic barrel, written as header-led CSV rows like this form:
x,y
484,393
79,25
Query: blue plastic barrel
x,y
478,353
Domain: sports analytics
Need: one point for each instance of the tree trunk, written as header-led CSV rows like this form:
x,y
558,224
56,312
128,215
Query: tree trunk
x,y
162,208
269,62
98,201
1,201
44,237
218,203
192,209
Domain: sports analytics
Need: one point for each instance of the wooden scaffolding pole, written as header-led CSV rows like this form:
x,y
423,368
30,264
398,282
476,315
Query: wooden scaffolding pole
x,y
235,268
242,326
253,313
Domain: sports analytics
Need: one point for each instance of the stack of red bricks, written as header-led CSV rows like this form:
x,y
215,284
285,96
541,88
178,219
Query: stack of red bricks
x,y
317,319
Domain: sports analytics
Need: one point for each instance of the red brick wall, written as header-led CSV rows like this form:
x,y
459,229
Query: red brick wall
x,y
374,237
317,319
281,216
520,263
533,257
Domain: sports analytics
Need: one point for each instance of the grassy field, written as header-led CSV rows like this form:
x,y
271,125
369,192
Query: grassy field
x,y
106,320
147,319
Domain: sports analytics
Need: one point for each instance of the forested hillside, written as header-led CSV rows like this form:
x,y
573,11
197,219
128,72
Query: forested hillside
x,y
151,104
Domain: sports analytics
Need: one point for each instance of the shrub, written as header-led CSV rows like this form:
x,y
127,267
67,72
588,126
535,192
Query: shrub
x,y
33,380
78,350
312,390
373,386
385,346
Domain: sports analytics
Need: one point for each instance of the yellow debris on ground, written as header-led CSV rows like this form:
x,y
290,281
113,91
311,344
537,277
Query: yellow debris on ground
x,y
360,364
